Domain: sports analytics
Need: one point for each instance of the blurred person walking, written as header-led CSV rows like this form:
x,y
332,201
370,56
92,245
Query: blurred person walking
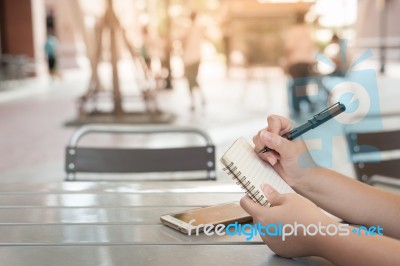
x,y
192,58
50,48
340,55
300,54
147,46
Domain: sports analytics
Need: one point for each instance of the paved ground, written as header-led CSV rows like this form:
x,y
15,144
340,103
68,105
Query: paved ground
x,y
33,136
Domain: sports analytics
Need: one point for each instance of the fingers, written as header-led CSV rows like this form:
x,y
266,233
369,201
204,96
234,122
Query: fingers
x,y
273,196
284,147
252,208
257,141
271,157
255,209
278,124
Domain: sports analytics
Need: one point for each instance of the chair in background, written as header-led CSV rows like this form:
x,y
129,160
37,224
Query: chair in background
x,y
138,160
376,156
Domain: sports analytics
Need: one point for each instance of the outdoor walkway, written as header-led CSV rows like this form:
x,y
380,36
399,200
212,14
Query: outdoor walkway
x,y
33,135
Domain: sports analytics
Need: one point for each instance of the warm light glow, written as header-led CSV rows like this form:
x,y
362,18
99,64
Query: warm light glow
x,y
285,1
330,13
175,10
336,13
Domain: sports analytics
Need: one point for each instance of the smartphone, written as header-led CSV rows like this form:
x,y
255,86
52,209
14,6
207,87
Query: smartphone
x,y
188,221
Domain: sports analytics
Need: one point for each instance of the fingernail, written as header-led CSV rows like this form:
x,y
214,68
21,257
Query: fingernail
x,y
265,136
271,159
267,188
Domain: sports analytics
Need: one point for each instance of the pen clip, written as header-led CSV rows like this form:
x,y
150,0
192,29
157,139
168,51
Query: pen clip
x,y
333,110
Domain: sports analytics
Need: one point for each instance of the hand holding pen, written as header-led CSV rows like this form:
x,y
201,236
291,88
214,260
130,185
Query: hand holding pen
x,y
312,123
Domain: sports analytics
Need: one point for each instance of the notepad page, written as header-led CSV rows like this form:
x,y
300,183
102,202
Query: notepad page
x,y
258,172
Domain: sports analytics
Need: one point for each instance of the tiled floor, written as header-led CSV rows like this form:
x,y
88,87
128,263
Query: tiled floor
x,y
33,136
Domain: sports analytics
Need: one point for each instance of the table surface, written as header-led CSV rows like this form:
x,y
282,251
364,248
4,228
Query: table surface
x,y
115,223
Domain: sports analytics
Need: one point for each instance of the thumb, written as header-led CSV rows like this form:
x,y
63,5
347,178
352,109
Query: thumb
x,y
252,208
284,147
273,196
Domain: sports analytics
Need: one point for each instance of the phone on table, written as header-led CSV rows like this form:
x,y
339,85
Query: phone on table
x,y
187,221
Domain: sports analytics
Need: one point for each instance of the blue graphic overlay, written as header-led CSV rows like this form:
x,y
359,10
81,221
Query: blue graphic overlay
x,y
356,89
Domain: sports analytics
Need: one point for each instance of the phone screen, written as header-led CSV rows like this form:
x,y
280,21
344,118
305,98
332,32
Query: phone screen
x,y
223,213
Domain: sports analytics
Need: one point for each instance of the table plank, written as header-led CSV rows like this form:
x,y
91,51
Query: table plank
x,y
121,187
110,235
127,215
117,200
222,255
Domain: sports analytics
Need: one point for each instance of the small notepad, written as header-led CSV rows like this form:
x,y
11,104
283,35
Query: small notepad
x,y
250,172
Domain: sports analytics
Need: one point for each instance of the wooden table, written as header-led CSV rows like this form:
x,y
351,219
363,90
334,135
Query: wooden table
x,y
105,223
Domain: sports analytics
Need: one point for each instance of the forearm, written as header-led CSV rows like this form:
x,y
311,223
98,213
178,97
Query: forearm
x,y
360,250
351,200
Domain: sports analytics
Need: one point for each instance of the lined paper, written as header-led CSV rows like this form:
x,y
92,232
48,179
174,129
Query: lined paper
x,y
258,172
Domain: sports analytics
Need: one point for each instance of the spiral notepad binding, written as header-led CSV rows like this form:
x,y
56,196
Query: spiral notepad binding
x,y
246,185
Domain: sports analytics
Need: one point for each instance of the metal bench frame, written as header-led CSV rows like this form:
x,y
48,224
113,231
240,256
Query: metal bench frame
x,y
370,171
138,160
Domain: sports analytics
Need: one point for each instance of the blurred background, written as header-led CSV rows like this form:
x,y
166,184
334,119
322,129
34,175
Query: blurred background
x,y
219,65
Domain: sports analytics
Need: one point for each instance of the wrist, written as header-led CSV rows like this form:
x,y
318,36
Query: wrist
x,y
345,244
304,183
324,244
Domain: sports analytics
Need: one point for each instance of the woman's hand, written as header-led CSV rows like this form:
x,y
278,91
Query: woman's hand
x,y
290,159
288,209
